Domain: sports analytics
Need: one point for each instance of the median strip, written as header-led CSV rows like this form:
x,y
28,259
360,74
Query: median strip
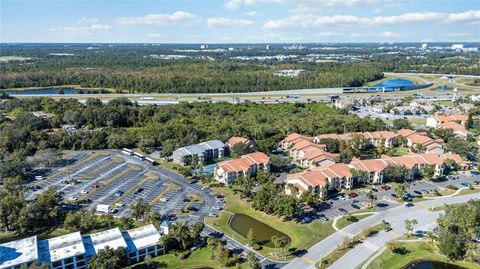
x,y
149,176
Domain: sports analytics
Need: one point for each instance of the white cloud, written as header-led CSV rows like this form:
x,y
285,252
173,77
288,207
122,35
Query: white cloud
x,y
81,30
154,35
389,34
252,14
312,21
233,4
157,19
88,20
227,22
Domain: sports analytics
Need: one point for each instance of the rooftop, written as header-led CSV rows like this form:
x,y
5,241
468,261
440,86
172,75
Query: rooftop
x,y
199,149
18,252
112,238
142,237
61,247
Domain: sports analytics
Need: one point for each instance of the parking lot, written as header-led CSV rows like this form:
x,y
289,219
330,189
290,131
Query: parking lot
x,y
339,205
119,180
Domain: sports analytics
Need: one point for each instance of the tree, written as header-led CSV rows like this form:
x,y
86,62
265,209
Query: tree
x,y
239,149
252,261
410,225
278,163
396,173
251,236
140,209
11,203
399,190
371,197
401,124
332,144
109,258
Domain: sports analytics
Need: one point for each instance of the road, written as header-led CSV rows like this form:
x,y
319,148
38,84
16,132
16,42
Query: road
x,y
395,216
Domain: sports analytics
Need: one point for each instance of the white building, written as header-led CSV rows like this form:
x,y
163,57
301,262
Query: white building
x,y
22,252
142,241
62,252
112,238
457,47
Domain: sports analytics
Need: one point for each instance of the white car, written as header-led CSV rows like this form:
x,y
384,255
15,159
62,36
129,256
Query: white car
x,y
72,198
213,215
39,177
163,200
119,204
83,191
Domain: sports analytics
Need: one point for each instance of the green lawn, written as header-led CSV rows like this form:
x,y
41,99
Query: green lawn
x,y
199,258
343,222
401,151
303,236
417,251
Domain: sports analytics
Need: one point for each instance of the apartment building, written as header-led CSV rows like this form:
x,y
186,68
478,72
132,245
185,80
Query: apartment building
x,y
317,157
20,253
251,146
63,252
437,120
298,150
141,242
421,140
375,138
205,152
247,165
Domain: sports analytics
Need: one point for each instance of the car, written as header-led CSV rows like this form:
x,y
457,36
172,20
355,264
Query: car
x,y
72,198
408,205
418,233
306,220
343,210
118,193
374,190
119,204
352,195
64,181
186,200
95,186
83,191
39,177
476,182
465,184
213,215
394,195
418,192
163,200
385,187
137,191
355,206
474,173
354,201
388,229
192,208
343,198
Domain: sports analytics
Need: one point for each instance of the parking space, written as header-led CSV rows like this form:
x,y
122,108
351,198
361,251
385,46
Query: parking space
x,y
110,177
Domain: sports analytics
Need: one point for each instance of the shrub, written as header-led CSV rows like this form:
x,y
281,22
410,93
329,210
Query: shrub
x,y
451,187
256,246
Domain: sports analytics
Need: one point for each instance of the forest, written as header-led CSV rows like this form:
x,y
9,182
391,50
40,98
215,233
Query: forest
x,y
131,68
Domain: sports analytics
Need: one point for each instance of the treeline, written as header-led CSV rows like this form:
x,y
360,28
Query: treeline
x,y
193,76
121,123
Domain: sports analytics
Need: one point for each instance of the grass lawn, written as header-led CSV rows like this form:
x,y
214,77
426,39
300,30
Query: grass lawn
x,y
343,222
303,236
417,251
401,151
199,258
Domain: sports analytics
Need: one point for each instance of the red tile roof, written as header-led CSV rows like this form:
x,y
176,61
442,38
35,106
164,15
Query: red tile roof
x,y
244,162
237,139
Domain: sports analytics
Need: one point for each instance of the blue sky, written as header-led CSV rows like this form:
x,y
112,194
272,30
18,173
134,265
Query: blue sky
x,y
239,21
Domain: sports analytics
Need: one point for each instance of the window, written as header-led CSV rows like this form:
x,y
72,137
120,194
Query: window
x,y
57,264
80,257
68,260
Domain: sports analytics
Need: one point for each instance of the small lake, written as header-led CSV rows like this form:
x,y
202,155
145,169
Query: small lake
x,y
431,265
65,91
443,88
242,223
395,82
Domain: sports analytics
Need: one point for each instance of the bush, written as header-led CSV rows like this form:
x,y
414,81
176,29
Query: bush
x,y
437,193
256,246
451,187
183,255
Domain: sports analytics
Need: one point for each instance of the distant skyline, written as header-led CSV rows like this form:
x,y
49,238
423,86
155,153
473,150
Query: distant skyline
x,y
239,21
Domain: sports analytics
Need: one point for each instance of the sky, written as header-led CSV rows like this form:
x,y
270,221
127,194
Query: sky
x,y
239,21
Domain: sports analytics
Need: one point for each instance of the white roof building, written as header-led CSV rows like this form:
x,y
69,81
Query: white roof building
x,y
142,237
112,238
61,247
18,252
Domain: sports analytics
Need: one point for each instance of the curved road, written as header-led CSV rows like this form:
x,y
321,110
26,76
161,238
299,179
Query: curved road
x,y
395,216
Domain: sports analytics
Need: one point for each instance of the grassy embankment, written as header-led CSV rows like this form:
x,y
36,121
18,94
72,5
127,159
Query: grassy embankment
x,y
416,251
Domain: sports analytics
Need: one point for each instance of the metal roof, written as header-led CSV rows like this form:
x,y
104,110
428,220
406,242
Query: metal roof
x,y
18,252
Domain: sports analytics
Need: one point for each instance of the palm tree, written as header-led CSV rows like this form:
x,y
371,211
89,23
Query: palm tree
x,y
372,197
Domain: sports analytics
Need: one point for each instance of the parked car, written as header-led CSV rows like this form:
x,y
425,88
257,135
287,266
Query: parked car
x,y
119,204
418,233
355,206
118,193
306,220
95,186
83,191
352,195
465,184
394,195
343,210
388,229
139,190
213,215
385,187
408,205
72,198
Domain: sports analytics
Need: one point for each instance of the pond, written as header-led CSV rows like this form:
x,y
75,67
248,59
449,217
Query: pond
x,y
242,223
56,91
423,264
443,88
395,82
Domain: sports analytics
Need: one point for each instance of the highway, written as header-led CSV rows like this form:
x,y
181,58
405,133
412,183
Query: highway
x,y
395,216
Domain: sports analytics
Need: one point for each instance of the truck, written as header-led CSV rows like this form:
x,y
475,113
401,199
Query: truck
x,y
104,209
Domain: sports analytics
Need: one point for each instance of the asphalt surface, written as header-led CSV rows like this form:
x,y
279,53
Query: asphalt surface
x,y
121,178
395,216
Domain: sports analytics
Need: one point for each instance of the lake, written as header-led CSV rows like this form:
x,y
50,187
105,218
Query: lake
x,y
65,91
395,82
431,265
242,223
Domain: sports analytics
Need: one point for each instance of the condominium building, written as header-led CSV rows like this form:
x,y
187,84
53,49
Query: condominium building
x,y
141,242
19,253
204,152
250,144
63,252
247,165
